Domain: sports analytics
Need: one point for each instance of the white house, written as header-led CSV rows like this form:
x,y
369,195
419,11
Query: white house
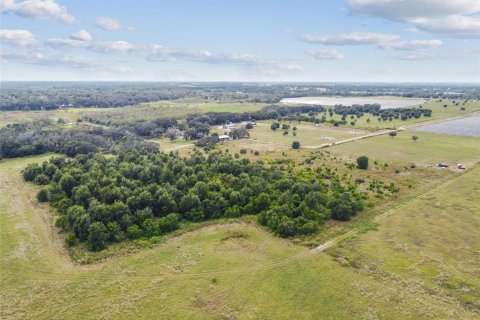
x,y
224,137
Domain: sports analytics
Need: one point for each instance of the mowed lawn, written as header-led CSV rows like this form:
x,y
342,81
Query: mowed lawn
x,y
431,245
429,149
228,271
439,112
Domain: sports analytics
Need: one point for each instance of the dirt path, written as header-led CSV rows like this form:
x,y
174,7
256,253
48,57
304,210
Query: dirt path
x,y
402,128
436,185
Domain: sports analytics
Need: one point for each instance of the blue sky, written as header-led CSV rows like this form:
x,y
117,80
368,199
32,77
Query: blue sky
x,y
262,40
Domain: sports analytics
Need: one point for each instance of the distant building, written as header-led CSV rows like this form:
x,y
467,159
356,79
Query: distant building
x,y
228,126
224,137
252,122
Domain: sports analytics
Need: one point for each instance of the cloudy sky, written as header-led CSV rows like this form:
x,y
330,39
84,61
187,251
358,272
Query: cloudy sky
x,y
247,40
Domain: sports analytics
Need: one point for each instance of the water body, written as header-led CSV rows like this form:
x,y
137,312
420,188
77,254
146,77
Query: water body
x,y
385,102
469,127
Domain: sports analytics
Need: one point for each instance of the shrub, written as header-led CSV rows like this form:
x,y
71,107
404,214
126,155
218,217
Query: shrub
x,y
70,239
256,153
41,179
295,145
243,151
42,195
97,234
362,162
134,232
392,134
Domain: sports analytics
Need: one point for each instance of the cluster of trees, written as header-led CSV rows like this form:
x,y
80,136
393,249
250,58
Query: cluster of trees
x,y
266,113
383,114
36,137
102,200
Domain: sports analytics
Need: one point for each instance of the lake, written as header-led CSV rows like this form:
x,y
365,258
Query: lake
x,y
469,127
385,102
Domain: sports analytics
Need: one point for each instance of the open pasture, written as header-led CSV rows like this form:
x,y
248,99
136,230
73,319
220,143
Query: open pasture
x,y
431,245
428,150
308,134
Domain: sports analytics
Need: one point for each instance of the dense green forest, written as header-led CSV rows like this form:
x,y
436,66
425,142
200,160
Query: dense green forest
x,y
109,199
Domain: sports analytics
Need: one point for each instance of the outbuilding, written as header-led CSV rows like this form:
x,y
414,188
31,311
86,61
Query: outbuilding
x,y
224,137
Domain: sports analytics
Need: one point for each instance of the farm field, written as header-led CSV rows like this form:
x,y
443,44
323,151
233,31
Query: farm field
x,y
431,245
199,274
429,149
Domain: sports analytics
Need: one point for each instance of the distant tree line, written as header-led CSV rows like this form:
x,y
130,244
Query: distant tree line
x,y
54,95
37,137
101,200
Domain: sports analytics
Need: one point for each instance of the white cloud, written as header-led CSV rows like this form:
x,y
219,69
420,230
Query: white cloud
x,y
97,46
158,52
58,43
411,45
452,18
382,40
23,57
161,53
354,38
426,56
326,54
69,61
78,62
37,9
106,23
466,53
81,35
111,46
21,38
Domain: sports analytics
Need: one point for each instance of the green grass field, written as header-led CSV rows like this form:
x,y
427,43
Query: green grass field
x,y
307,133
230,107
69,115
239,271
166,145
431,245
429,149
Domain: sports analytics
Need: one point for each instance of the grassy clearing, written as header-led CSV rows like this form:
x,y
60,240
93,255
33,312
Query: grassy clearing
x,y
230,107
439,113
430,245
429,149
166,145
307,133
69,115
